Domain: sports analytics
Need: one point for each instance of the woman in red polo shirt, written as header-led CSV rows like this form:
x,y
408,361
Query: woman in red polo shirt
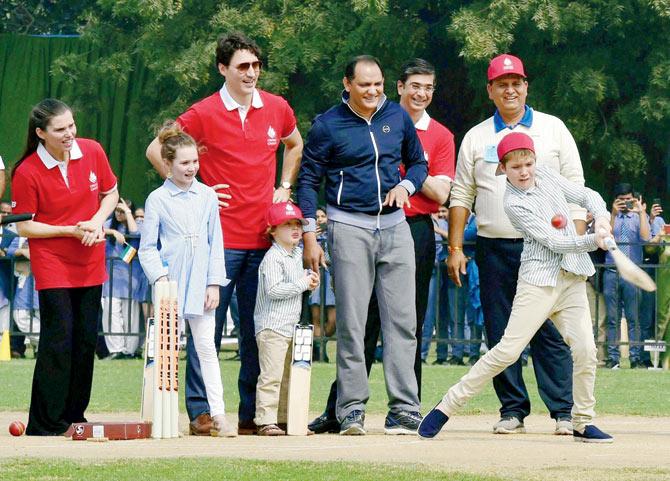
x,y
69,186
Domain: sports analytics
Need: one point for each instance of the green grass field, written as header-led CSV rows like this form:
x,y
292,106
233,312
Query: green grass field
x,y
222,469
117,388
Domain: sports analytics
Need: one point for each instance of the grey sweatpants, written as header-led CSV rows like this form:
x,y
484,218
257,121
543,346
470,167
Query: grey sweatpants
x,y
383,259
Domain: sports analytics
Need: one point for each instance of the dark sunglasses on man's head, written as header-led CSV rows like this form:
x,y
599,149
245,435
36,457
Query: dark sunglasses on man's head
x,y
244,66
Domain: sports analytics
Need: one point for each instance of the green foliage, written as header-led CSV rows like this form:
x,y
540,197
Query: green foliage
x,y
602,66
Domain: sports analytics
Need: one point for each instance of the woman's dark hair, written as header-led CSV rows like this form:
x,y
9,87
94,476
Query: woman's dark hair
x,y
40,116
114,224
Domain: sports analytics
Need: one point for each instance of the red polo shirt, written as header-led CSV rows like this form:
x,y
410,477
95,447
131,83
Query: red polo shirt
x,y
63,262
242,156
439,149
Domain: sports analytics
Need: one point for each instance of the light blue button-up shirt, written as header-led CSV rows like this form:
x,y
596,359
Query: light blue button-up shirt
x,y
182,238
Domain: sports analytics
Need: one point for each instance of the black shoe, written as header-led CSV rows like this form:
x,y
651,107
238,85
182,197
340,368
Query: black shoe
x,y
404,422
472,361
637,365
439,362
610,364
524,362
455,361
353,424
324,424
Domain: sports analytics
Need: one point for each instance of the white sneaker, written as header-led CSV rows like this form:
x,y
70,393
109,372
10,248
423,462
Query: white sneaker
x,y
563,427
222,428
509,425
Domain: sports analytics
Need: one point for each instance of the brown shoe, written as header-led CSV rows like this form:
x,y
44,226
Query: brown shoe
x,y
246,428
270,430
201,426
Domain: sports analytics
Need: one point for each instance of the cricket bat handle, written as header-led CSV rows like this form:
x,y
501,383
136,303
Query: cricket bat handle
x,y
608,241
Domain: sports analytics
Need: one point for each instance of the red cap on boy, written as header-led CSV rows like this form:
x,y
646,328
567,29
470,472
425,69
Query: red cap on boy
x,y
513,141
283,211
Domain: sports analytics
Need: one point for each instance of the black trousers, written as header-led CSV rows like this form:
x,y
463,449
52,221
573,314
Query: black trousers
x,y
423,234
64,368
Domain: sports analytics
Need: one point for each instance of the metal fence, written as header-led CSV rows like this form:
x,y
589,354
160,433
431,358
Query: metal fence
x,y
454,327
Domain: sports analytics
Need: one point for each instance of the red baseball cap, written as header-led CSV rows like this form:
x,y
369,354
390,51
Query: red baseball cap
x,y
510,142
505,64
283,211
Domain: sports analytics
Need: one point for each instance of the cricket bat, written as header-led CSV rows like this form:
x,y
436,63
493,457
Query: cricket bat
x,y
628,270
297,409
149,372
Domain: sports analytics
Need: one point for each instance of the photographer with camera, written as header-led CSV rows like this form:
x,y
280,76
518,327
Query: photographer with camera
x,y
630,226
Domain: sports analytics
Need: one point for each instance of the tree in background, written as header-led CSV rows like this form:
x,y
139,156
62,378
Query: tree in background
x,y
602,66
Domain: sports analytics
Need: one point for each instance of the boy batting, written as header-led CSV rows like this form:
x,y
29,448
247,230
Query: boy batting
x,y
554,267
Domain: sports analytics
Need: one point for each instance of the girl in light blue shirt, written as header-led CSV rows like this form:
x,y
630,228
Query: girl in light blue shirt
x,y
182,241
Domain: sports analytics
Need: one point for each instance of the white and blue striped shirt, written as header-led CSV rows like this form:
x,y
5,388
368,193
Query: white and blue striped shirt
x,y
281,281
547,250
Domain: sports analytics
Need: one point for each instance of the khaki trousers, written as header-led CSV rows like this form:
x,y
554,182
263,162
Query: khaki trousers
x,y
274,357
567,306
598,315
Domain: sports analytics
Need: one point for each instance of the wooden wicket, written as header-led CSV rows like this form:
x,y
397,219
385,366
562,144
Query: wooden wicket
x,y
160,393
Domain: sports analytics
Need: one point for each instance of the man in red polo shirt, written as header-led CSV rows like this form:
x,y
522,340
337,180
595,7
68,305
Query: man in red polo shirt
x,y
415,88
240,128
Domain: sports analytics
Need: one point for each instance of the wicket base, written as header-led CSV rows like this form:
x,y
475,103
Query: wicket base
x,y
110,431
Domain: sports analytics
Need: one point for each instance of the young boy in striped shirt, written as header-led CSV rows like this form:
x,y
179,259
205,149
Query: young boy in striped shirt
x,y
281,282
552,276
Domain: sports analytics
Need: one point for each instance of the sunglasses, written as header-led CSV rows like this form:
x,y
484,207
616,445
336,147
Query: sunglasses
x,y
244,66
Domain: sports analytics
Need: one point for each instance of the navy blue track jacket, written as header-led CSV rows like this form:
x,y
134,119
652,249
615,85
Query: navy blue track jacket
x,y
360,159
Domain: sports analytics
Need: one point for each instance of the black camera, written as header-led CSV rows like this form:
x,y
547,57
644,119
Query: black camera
x,y
629,204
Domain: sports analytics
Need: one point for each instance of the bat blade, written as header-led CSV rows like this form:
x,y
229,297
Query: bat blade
x,y
299,381
149,372
628,270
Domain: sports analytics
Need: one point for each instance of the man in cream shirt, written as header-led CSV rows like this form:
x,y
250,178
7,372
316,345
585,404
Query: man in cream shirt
x,y
499,245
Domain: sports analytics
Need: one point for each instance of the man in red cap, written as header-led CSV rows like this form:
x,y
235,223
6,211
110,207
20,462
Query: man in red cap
x,y
499,243
552,283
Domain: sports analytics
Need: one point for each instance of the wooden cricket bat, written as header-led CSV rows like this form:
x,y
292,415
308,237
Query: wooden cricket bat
x,y
299,380
149,372
628,270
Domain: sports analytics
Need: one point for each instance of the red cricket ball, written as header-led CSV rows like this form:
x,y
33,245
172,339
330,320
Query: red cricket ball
x,y
17,428
559,221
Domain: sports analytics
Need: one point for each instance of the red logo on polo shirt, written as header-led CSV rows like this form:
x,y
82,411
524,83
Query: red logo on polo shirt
x,y
93,180
272,136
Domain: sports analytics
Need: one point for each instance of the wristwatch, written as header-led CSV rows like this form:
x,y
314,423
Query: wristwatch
x,y
286,185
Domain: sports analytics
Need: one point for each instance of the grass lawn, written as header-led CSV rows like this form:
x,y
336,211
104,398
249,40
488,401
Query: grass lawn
x,y
117,388
221,469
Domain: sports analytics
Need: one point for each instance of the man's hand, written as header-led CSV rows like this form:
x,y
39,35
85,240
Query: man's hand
x,y
656,211
313,255
397,196
601,235
456,265
223,196
281,195
211,297
602,223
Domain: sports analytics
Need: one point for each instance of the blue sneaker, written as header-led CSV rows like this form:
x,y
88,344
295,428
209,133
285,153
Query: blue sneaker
x,y
404,422
352,424
432,423
592,434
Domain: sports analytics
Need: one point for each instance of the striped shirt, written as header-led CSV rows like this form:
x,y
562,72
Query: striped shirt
x,y
476,183
281,281
547,250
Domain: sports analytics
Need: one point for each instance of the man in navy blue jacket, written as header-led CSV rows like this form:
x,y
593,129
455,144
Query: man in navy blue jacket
x,y
357,146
